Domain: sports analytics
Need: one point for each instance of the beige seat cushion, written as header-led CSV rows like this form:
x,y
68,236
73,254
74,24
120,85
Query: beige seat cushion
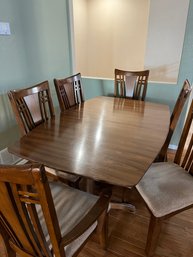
x,y
71,206
166,187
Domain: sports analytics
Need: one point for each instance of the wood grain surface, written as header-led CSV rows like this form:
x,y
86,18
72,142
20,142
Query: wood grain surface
x,y
106,139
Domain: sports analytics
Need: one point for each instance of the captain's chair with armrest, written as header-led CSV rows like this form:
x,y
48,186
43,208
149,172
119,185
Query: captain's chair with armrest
x,y
47,219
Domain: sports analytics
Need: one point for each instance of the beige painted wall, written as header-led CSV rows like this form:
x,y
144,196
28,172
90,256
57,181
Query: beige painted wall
x,y
130,35
110,34
166,30
80,34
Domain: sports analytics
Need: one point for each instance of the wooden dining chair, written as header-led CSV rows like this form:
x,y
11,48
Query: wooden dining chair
x,y
167,188
48,219
69,91
33,106
182,98
131,84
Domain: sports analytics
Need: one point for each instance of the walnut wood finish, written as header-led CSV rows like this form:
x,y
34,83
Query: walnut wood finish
x,y
182,98
31,106
23,190
112,140
131,84
69,91
167,188
128,232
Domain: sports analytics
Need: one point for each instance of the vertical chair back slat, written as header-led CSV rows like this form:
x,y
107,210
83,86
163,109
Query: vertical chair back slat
x,y
78,88
24,214
10,215
184,153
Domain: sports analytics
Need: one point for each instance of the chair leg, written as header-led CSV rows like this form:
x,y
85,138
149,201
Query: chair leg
x,y
153,234
102,229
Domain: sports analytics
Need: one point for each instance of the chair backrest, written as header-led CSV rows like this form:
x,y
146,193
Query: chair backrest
x,y
131,84
22,188
184,153
183,96
31,106
69,91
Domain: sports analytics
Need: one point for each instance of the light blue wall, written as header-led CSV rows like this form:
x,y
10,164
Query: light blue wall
x,y
39,49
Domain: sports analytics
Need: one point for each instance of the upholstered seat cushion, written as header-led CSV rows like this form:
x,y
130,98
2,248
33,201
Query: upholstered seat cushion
x,y
166,187
71,206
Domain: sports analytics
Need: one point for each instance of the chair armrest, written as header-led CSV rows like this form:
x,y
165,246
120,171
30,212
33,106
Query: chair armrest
x,y
99,207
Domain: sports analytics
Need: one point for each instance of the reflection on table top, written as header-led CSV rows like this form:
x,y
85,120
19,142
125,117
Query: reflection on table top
x,y
107,139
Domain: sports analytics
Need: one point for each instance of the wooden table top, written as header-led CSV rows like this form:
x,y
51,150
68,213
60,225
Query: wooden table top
x,y
106,139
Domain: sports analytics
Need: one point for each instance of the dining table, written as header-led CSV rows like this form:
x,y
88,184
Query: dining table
x,y
107,139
